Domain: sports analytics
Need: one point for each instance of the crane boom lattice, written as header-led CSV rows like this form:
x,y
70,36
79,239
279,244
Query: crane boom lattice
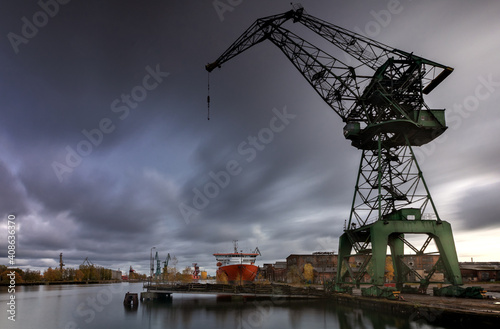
x,y
378,92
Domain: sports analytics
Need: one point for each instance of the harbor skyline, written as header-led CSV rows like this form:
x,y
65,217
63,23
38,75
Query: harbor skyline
x,y
107,150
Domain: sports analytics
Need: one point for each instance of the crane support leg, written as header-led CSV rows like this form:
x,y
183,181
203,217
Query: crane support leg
x,y
345,248
448,252
397,251
379,241
386,233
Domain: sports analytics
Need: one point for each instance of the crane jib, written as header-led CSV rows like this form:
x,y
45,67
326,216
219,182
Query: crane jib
x,y
379,95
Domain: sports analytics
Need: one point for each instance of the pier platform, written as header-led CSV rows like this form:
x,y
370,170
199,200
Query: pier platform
x,y
462,312
250,290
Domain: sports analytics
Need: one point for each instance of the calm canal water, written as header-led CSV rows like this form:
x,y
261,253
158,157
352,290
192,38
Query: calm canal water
x,y
101,306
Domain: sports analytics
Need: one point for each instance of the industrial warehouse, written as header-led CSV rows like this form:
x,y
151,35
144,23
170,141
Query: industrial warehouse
x,y
325,265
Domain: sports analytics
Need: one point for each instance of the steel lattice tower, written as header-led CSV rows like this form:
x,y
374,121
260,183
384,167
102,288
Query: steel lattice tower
x,y
379,95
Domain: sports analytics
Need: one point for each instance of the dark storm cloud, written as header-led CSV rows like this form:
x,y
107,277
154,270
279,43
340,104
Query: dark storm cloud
x,y
276,174
89,54
285,181
104,204
480,207
123,197
71,87
12,194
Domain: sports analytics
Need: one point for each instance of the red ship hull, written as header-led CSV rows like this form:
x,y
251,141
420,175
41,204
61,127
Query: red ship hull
x,y
237,273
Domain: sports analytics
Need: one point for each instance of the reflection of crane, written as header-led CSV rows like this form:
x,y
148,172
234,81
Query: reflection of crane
x,y
378,93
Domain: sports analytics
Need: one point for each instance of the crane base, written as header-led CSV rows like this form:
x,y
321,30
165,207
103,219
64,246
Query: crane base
x,y
368,264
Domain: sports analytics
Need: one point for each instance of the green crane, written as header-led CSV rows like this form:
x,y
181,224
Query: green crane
x,y
165,266
158,269
379,95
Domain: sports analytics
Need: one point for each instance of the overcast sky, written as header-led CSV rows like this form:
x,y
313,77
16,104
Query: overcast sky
x,y
106,150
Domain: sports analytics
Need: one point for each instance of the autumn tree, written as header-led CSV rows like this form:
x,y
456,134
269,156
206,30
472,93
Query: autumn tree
x,y
308,273
32,276
172,269
187,275
88,271
389,269
6,279
52,274
170,274
294,274
103,273
79,276
133,276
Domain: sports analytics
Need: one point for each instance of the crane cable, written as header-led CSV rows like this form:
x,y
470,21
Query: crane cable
x,y
208,98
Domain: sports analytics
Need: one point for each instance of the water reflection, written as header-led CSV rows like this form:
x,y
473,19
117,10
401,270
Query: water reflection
x,y
193,312
101,307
